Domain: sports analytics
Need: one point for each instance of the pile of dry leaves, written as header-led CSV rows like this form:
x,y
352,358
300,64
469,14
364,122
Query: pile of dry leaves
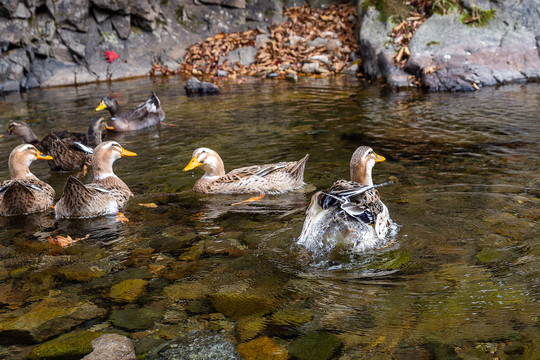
x,y
326,34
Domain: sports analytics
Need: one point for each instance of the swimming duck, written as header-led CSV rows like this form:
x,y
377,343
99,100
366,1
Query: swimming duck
x,y
106,195
146,114
343,214
24,193
263,179
68,149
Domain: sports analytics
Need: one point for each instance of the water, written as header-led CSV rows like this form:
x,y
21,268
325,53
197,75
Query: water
x,y
460,279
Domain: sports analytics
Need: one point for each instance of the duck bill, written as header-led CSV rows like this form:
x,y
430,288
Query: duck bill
x,y
101,106
125,153
6,133
41,156
109,127
379,158
193,164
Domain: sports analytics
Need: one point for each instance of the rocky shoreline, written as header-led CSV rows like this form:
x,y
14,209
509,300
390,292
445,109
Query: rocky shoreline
x,y
45,43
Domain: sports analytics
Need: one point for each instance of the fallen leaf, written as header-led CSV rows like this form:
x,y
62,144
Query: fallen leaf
x,y
65,240
430,70
148,205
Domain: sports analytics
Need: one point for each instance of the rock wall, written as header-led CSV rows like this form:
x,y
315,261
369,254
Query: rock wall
x,y
59,42
458,56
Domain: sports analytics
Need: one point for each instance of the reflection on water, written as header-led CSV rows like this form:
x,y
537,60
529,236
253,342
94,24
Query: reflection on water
x,y
460,279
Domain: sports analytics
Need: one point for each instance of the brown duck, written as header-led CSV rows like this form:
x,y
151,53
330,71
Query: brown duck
x,y
146,114
68,149
263,179
106,195
24,193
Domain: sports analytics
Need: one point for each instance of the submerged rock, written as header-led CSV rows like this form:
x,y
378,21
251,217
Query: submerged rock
x,y
128,291
195,86
45,319
236,304
134,318
196,345
71,345
262,348
112,347
319,345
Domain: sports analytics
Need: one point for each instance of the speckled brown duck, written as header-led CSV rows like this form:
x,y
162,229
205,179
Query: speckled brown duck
x,y
144,115
68,149
106,195
343,214
24,193
262,179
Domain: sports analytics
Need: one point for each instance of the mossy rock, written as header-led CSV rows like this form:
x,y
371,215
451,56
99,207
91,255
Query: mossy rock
x,y
292,316
80,273
319,345
71,345
128,291
262,348
134,318
240,304
186,291
250,326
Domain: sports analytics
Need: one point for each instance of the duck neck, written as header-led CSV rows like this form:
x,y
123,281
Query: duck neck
x,y
361,174
20,169
28,136
113,108
214,170
102,169
94,136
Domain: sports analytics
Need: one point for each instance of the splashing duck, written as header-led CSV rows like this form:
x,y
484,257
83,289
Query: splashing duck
x,y
342,215
24,193
106,195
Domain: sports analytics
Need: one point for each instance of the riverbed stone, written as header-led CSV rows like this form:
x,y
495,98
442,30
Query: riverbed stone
x,y
187,291
135,318
128,291
45,319
318,345
243,55
263,348
80,272
70,345
236,303
112,347
248,327
195,86
196,345
291,316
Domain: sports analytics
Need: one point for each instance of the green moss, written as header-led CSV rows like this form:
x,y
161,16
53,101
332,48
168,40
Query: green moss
x,y
477,17
319,345
431,43
444,7
66,346
393,10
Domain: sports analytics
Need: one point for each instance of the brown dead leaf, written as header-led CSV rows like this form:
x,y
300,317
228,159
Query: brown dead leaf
x,y
65,240
430,70
148,205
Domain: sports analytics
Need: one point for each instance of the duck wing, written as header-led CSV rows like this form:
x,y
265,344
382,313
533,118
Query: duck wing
x,y
149,108
67,154
24,196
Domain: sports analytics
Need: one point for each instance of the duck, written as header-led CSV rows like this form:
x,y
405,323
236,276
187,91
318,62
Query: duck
x,y
349,214
106,195
24,193
68,149
144,115
263,179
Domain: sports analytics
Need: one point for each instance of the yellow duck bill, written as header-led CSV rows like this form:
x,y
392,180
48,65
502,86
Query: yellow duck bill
x,y
125,153
101,106
41,156
192,164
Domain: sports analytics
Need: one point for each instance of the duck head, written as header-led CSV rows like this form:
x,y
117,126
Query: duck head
x,y
22,130
109,104
96,129
20,159
362,161
208,160
105,154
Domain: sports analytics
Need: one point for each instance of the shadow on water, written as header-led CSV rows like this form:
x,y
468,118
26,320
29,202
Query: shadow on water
x,y
460,279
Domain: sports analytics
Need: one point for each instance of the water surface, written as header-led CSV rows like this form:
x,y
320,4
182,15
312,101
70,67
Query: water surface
x,y
460,280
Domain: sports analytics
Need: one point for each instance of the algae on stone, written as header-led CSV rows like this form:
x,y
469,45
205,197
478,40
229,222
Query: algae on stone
x,y
69,345
262,348
128,291
318,345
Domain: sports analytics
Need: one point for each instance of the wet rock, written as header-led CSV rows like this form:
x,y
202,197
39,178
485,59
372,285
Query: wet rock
x,y
321,58
119,6
12,32
237,303
263,12
317,345
134,318
262,348
318,41
196,345
187,291
261,40
112,347
70,14
239,4
45,319
13,298
202,306
14,64
293,316
310,68
222,73
352,69
71,345
75,41
333,44
292,76
122,25
195,86
80,272
248,327
128,291
244,56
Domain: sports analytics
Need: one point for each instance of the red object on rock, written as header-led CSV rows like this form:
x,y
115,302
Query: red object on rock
x,y
111,56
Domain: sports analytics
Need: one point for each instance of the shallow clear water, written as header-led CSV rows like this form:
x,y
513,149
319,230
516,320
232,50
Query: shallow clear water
x,y
461,279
